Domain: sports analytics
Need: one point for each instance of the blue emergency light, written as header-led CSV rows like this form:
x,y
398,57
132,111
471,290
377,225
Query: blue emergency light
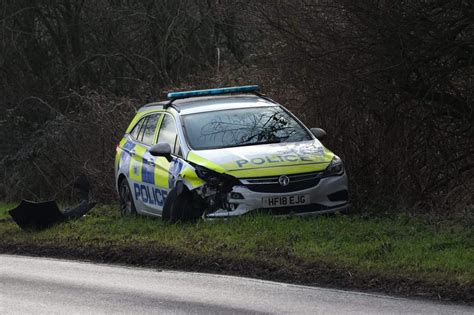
x,y
226,90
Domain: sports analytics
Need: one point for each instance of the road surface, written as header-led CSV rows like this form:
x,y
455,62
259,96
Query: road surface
x,y
50,286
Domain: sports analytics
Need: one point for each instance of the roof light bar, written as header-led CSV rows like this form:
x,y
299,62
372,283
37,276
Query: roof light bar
x,y
227,90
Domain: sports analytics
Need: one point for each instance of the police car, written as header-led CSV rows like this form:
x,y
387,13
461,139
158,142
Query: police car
x,y
222,153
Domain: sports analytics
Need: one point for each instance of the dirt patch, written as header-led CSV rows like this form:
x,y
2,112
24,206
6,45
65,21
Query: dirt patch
x,y
298,273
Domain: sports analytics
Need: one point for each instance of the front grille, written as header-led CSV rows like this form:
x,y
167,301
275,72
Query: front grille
x,y
271,184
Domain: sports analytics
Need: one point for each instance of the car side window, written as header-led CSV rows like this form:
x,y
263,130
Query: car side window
x,y
168,134
142,129
136,130
149,129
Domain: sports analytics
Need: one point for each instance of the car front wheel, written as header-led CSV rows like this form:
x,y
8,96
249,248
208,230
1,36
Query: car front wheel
x,y
179,206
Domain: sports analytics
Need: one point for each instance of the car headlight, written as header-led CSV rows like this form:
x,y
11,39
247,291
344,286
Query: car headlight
x,y
336,167
206,174
213,178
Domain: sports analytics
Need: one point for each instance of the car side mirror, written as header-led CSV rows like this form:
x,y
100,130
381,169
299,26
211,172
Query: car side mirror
x,y
161,149
319,133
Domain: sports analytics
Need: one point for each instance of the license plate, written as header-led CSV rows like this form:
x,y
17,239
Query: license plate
x,y
285,201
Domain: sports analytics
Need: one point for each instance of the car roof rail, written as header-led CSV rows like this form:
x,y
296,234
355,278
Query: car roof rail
x,y
264,97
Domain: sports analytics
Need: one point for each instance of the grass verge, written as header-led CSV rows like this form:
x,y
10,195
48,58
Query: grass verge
x,y
402,255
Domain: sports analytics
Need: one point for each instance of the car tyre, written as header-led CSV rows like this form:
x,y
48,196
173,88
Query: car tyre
x,y
127,206
179,205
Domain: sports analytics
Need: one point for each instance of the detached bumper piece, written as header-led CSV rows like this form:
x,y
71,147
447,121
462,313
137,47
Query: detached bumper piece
x,y
42,215
31,215
37,215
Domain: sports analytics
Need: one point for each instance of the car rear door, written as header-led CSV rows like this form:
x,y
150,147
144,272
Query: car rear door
x,y
141,172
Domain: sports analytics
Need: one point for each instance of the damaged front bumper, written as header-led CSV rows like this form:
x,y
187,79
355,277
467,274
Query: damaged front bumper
x,y
328,195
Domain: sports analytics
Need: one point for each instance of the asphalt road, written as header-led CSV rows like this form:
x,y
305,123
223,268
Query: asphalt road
x,y
40,285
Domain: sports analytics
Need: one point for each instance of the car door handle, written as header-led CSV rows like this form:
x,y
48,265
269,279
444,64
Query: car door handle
x,y
132,152
151,162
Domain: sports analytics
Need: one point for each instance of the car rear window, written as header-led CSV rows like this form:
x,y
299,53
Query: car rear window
x,y
241,127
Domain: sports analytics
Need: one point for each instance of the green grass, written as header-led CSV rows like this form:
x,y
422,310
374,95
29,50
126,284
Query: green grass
x,y
400,247
4,207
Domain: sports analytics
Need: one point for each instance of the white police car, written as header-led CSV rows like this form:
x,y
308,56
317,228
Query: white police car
x,y
225,152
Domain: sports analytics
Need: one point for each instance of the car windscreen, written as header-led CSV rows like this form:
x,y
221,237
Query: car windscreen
x,y
241,127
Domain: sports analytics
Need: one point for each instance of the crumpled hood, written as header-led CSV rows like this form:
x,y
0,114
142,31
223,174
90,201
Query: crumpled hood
x,y
265,160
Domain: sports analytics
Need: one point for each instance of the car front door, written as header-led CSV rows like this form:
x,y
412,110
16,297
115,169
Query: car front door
x,y
166,171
